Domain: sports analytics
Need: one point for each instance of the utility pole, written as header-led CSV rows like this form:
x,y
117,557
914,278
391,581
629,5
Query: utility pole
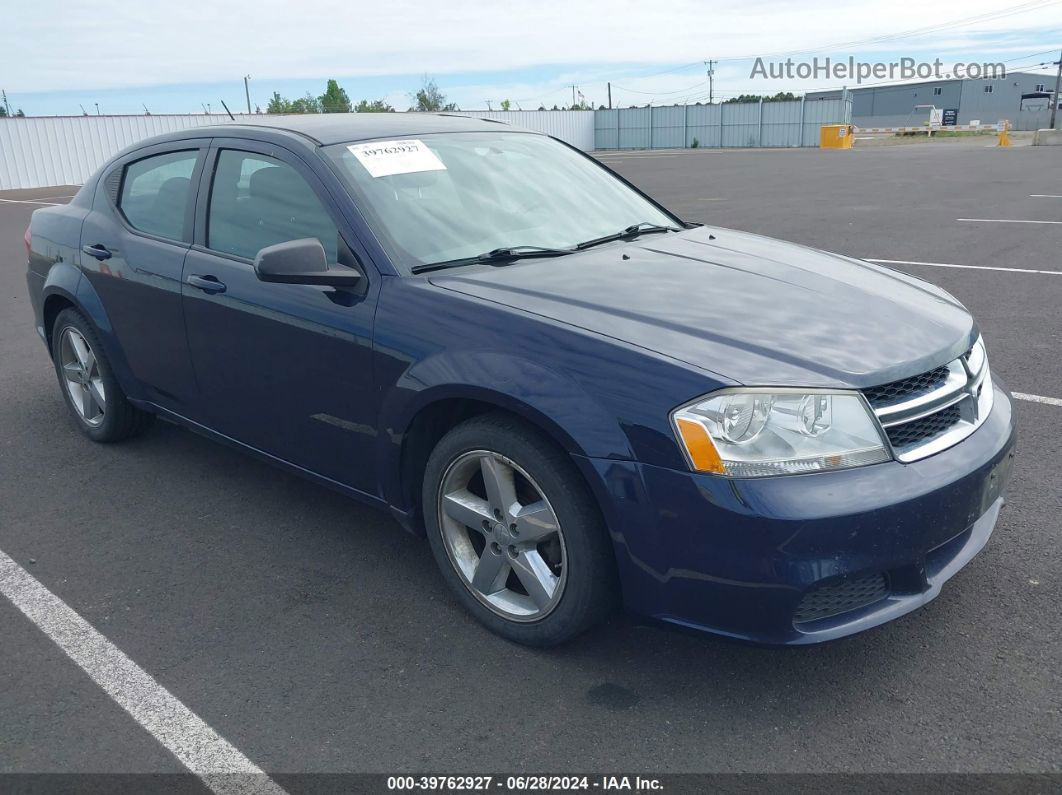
x,y
488,105
573,96
1058,85
97,109
710,66
610,96
247,91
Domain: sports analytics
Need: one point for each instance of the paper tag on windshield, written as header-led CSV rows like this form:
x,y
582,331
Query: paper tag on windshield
x,y
385,158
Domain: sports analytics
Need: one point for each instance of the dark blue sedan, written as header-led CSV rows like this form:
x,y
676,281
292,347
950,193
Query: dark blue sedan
x,y
578,398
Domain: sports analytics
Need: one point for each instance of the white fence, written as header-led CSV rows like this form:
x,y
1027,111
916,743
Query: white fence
x,y
574,126
66,150
736,124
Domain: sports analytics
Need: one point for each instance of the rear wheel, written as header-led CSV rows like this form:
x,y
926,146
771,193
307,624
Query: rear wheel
x,y
515,532
92,393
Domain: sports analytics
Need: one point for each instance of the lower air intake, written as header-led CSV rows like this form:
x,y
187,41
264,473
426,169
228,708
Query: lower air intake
x,y
832,600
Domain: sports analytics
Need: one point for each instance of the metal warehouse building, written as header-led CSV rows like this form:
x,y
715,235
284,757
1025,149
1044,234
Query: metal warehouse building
x,y
1022,98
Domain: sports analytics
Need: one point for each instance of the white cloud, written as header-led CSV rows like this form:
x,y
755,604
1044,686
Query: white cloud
x,y
61,45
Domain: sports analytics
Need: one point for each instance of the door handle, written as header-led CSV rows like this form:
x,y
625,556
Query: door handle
x,y
97,250
208,284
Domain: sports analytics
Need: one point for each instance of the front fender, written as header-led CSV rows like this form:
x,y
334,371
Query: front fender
x,y
544,397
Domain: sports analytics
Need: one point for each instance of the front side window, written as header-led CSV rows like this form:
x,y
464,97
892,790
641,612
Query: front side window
x,y
449,196
257,201
155,190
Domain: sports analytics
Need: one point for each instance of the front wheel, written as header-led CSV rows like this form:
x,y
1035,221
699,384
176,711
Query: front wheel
x,y
516,533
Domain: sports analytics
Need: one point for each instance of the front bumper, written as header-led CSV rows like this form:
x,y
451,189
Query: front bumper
x,y
803,558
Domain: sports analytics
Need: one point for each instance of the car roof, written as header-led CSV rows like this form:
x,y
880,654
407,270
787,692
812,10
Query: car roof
x,y
334,128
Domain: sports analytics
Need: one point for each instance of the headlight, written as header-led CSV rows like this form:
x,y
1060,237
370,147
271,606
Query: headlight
x,y
758,432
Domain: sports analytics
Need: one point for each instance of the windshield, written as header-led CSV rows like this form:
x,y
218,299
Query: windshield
x,y
452,196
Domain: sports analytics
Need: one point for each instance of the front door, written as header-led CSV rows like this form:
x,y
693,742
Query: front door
x,y
285,368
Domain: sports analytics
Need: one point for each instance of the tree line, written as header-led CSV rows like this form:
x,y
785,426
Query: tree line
x,y
427,98
781,96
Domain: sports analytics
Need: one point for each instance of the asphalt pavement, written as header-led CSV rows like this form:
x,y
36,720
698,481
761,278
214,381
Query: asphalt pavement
x,y
315,636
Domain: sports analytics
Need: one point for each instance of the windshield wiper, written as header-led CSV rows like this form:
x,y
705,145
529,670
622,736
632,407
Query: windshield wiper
x,y
504,254
631,232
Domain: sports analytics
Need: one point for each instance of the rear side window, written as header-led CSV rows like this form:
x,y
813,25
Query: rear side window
x,y
155,190
258,201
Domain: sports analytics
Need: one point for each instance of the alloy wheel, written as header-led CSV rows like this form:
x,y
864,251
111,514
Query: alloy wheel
x,y
502,536
81,374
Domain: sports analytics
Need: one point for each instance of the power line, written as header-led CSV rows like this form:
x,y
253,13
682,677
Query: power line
x,y
1041,65
662,93
1030,55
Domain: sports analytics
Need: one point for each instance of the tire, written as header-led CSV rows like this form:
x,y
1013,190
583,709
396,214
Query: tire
x,y
116,419
523,601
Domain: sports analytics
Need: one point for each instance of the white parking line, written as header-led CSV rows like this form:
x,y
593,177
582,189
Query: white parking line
x,y
29,201
951,265
198,747
1044,196
1050,401
1006,221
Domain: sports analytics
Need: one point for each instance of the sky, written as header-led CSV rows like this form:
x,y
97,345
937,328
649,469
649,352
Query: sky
x,y
59,56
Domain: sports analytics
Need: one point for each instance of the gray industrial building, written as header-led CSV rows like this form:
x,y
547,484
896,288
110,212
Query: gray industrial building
x,y
1023,98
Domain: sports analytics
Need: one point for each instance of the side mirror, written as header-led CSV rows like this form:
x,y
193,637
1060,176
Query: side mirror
x,y
301,262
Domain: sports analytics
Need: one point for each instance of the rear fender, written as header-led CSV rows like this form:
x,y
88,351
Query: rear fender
x,y
60,285
65,281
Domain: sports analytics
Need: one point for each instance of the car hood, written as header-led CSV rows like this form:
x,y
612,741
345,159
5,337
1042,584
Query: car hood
x,y
751,309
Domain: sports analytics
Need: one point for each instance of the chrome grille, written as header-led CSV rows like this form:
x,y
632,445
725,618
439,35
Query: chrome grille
x,y
915,385
925,428
930,412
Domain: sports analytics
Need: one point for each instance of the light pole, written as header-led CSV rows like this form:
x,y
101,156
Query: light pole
x,y
1058,85
247,92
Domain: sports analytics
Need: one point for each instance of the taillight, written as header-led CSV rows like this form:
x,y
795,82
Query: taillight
x,y
28,240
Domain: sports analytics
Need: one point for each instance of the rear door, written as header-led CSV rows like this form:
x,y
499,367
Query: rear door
x,y
133,244
285,368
